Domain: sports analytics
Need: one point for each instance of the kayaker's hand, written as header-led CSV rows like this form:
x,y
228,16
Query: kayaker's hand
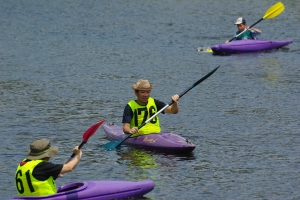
x,y
175,98
254,29
77,151
133,130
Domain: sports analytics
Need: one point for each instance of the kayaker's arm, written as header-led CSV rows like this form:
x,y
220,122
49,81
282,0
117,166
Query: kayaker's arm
x,y
69,166
174,108
254,29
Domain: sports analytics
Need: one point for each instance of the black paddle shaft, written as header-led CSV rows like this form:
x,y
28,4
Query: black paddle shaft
x,y
183,93
198,82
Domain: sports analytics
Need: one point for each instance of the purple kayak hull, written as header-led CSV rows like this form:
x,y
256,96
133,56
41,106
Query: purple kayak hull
x,y
98,190
164,141
243,46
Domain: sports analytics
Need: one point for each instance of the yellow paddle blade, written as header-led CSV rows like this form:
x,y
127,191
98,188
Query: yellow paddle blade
x,y
274,10
208,51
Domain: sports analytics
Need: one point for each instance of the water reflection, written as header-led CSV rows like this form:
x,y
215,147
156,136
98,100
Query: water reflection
x,y
272,67
140,163
143,161
137,157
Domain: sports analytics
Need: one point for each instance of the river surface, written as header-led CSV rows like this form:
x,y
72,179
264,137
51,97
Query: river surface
x,y
65,65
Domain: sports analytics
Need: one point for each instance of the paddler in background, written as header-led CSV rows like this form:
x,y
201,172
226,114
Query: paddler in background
x,y
35,176
139,110
251,33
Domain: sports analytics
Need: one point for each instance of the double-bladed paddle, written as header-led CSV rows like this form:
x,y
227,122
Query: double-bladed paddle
x,y
87,134
114,144
272,12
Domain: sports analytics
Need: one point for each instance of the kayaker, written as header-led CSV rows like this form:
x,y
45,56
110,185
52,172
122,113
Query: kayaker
x,y
35,176
250,33
139,110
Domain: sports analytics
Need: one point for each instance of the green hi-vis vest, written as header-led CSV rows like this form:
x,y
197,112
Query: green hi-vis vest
x,y
141,114
27,185
246,35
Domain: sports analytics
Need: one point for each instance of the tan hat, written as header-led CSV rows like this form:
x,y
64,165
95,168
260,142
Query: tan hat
x,y
142,85
240,20
41,149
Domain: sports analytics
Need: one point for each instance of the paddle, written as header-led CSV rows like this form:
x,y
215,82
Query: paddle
x,y
272,12
87,134
114,144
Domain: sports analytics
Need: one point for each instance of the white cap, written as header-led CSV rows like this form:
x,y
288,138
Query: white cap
x,y
240,20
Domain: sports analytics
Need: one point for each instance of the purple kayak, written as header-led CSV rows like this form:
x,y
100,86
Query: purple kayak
x,y
163,141
243,46
97,190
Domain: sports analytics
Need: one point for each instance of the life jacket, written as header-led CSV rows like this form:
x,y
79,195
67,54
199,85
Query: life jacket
x,y
246,35
141,114
27,185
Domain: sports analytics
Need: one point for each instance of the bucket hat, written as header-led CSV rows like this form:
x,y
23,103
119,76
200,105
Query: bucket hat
x,y
41,149
142,85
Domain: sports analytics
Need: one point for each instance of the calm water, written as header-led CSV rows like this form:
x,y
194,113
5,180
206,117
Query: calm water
x,y
67,64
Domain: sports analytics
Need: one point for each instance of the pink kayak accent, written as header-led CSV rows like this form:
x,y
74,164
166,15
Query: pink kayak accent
x,y
99,190
243,46
164,141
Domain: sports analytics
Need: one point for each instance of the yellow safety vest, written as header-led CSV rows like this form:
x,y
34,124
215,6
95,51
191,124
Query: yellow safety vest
x,y
27,185
141,114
